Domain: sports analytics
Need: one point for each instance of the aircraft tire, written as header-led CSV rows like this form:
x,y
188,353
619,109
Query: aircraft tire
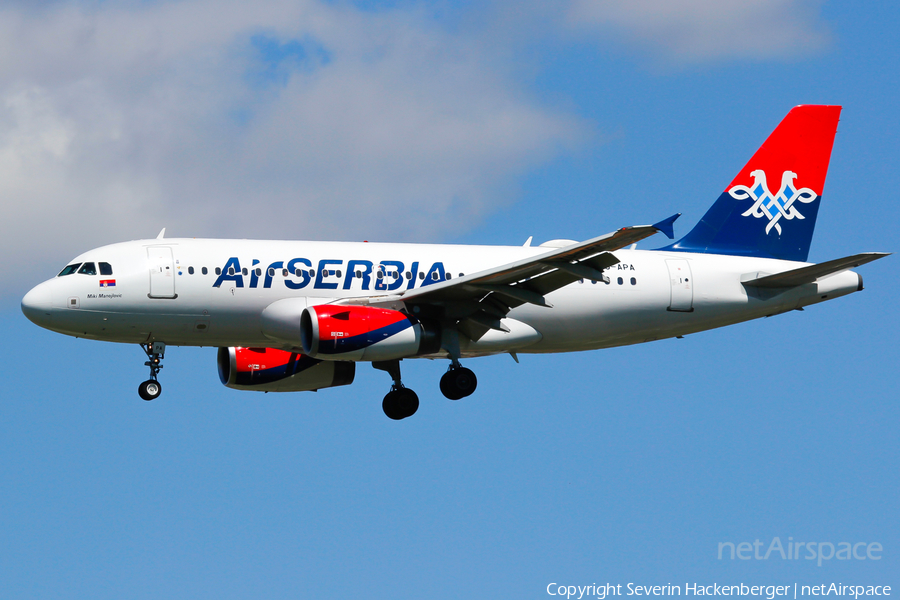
x,y
400,404
447,388
150,390
408,401
458,383
391,406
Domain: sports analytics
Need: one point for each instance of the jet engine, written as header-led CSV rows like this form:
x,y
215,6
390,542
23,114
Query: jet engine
x,y
338,332
272,370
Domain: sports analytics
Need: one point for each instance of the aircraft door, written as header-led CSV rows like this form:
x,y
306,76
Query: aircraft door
x,y
682,288
162,272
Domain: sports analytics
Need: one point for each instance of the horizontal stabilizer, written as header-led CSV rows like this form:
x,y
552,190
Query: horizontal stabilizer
x,y
811,273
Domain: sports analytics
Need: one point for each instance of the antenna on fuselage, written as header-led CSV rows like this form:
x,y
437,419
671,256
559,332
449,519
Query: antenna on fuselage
x,y
162,234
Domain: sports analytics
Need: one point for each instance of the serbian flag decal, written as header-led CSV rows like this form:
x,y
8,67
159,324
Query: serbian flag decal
x,y
107,283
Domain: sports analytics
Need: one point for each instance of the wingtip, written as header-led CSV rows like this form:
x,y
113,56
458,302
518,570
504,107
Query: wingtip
x,y
667,226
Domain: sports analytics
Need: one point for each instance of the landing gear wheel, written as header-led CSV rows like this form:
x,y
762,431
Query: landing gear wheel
x,y
409,402
391,406
458,383
400,403
150,390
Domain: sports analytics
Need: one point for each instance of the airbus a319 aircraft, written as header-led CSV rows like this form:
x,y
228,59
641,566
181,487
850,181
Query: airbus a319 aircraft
x,y
298,316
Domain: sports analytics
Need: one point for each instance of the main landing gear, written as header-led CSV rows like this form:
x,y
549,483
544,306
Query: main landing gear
x,y
458,382
151,389
400,402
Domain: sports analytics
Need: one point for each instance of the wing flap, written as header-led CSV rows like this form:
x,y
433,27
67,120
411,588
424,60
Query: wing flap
x,y
518,293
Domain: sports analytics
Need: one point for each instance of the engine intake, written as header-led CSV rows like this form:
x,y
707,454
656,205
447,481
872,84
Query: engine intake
x,y
335,332
273,370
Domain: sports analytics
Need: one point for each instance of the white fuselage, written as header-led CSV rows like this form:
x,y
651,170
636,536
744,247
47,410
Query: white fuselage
x,y
152,296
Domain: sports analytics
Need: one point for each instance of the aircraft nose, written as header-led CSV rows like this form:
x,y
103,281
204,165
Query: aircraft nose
x,y
37,305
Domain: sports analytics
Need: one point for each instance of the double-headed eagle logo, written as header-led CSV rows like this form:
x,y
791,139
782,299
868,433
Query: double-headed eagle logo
x,y
773,206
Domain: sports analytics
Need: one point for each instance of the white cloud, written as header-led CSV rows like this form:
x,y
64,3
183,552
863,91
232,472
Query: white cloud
x,y
302,118
688,31
119,118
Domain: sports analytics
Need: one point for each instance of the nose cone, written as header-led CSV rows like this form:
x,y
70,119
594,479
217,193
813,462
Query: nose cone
x,y
37,305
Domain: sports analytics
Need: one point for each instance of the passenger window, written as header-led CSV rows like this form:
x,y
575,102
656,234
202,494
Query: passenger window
x,y
105,269
87,269
434,276
69,270
633,281
190,270
258,271
219,271
204,271
421,275
231,271
244,271
621,281
271,272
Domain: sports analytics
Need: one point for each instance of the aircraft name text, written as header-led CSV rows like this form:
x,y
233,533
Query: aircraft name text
x,y
331,274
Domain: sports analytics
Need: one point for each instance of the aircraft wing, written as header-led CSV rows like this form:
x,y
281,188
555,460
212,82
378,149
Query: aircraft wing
x,y
478,301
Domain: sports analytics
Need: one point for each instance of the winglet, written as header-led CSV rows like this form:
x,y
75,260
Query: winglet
x,y
162,234
667,227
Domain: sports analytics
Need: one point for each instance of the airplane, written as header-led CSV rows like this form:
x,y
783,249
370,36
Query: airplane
x,y
298,315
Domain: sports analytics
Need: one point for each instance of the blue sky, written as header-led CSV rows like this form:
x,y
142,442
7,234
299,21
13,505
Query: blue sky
x,y
462,123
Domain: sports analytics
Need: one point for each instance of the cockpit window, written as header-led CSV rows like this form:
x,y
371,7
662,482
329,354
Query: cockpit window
x,y
69,270
105,269
87,269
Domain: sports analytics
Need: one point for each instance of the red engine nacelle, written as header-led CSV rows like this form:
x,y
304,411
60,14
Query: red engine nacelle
x,y
271,370
335,332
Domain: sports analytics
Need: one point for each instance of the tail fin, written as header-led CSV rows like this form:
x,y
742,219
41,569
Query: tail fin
x,y
752,219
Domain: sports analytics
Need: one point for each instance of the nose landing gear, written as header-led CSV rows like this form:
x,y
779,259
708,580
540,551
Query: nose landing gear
x,y
151,389
401,402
